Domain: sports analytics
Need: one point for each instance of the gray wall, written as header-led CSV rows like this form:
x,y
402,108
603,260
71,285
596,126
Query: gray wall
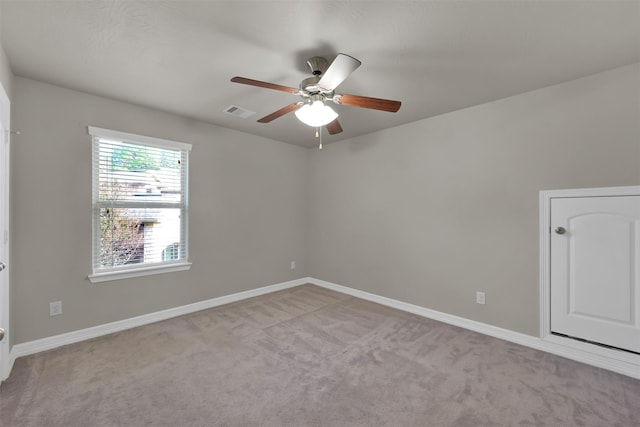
x,y
247,212
430,212
426,213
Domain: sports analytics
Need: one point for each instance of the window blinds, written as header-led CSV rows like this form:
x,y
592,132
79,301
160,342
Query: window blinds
x,y
139,200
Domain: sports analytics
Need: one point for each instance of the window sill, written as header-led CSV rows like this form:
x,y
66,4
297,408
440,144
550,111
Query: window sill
x,y
137,272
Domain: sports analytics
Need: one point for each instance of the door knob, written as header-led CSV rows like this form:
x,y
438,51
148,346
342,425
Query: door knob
x,y
1,334
2,267
560,230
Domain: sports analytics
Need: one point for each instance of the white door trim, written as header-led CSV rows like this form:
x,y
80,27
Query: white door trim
x,y
5,134
571,345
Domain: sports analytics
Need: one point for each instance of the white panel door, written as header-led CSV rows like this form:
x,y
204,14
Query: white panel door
x,y
595,269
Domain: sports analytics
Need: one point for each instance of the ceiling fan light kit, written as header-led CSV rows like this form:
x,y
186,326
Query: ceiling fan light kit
x,y
316,114
319,88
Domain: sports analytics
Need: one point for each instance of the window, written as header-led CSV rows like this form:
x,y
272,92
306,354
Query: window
x,y
139,205
171,252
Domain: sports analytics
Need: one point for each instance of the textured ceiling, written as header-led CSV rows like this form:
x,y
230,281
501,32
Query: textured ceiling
x,y
435,57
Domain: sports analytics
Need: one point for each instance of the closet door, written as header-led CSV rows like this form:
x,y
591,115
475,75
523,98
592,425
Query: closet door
x,y
595,269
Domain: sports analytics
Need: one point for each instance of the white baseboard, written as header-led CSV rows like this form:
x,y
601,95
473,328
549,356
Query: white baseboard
x,y
613,360
36,346
616,361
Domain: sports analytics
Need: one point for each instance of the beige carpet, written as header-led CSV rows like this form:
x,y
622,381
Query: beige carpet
x,y
310,357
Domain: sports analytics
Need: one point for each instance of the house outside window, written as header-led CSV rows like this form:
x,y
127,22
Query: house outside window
x,y
140,205
171,252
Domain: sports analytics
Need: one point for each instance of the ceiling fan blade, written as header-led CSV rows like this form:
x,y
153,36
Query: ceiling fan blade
x,y
366,102
334,127
338,71
281,112
267,85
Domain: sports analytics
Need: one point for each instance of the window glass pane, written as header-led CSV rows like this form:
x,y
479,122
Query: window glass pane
x,y
134,236
131,172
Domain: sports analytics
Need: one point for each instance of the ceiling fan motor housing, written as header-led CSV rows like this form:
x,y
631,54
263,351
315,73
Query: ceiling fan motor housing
x,y
318,65
310,91
309,86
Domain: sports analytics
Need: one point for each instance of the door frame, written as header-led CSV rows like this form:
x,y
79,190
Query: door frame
x,y
617,360
5,134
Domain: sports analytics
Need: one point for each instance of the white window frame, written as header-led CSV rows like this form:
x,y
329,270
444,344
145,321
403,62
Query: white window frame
x,y
130,271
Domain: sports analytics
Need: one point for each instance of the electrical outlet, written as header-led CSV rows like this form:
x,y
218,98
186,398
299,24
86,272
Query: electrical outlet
x,y
480,297
55,308
293,265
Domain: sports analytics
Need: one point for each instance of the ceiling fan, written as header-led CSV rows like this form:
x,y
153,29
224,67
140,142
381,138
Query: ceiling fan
x,y
320,88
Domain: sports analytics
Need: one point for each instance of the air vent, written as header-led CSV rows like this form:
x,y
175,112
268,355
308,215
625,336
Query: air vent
x,y
239,111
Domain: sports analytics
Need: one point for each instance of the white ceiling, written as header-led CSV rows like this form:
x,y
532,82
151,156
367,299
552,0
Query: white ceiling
x,y
434,56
